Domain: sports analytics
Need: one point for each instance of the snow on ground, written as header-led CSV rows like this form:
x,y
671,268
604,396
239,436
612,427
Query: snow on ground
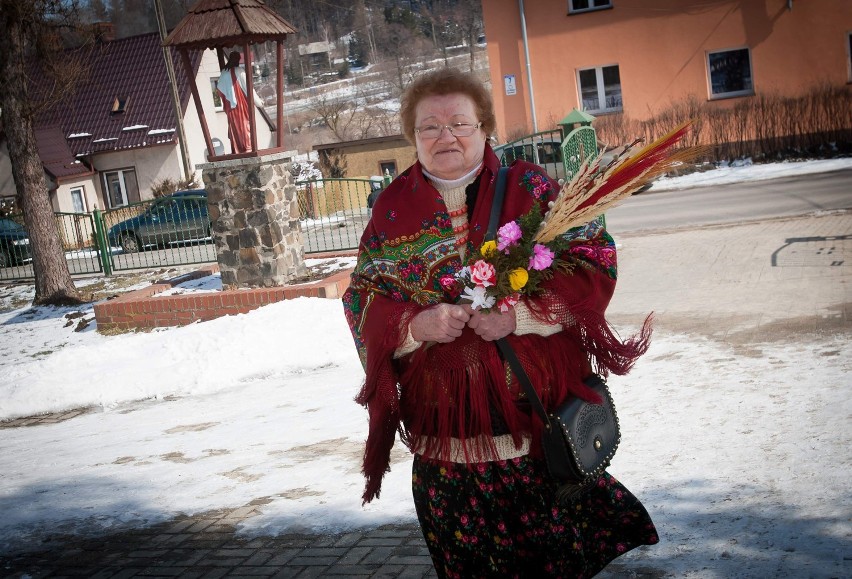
x,y
740,454
745,170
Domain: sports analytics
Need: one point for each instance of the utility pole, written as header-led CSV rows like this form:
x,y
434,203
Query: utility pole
x,y
188,172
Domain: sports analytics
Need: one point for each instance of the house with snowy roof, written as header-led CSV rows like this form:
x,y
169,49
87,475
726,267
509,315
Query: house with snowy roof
x,y
117,135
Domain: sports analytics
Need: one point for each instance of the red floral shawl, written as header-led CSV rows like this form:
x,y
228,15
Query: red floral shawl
x,y
444,391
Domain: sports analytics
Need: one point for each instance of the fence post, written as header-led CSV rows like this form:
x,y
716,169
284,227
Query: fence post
x,y
101,242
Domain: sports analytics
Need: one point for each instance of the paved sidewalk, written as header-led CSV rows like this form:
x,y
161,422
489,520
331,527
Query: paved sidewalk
x,y
206,547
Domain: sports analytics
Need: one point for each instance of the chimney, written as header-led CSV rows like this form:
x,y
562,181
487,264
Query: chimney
x,y
103,31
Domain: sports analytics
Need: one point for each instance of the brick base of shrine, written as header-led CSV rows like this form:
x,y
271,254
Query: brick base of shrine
x,y
144,309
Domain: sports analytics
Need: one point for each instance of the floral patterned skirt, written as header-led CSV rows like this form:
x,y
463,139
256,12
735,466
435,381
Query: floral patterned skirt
x,y
500,520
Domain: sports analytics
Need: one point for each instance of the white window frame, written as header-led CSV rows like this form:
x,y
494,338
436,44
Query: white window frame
x,y
590,8
214,89
122,185
81,191
601,89
731,94
849,54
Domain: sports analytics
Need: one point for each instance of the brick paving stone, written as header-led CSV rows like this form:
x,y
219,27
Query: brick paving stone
x,y
348,540
323,552
371,541
163,572
378,555
233,552
283,557
324,541
349,571
390,533
188,557
417,572
312,572
388,571
354,555
180,526
253,572
409,559
147,553
287,573
199,526
313,561
260,558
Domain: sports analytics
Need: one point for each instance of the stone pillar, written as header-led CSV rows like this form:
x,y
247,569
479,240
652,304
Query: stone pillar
x,y
254,211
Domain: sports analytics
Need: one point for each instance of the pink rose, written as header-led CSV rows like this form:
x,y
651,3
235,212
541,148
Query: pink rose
x,y
449,283
483,273
541,258
508,235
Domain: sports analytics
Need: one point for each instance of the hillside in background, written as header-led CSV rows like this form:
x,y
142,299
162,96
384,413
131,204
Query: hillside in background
x,y
349,61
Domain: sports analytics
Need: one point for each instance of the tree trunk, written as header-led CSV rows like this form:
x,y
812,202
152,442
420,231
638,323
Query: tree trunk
x,y
53,283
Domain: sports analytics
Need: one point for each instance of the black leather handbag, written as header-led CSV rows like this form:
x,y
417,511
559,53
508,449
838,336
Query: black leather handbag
x,y
579,438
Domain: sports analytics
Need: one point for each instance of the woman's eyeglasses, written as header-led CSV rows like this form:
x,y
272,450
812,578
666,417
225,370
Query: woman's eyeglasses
x,y
456,130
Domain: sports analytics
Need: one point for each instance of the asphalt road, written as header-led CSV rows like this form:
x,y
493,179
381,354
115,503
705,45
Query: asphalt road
x,y
733,203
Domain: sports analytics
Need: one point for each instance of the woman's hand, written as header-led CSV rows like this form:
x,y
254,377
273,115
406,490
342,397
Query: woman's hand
x,y
443,323
493,325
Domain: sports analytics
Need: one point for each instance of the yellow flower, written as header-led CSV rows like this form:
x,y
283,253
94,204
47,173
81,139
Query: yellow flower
x,y
488,248
518,278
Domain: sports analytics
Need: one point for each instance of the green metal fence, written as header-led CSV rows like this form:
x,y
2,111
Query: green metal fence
x,y
334,212
175,230
170,230
77,235
543,148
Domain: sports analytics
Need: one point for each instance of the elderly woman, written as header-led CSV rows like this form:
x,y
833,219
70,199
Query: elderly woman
x,y
485,501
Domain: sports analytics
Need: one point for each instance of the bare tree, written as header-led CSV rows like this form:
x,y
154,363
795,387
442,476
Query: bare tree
x,y
351,118
338,114
30,35
468,17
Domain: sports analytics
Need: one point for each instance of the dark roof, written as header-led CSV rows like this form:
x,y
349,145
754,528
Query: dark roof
x,y
133,69
360,142
221,23
55,155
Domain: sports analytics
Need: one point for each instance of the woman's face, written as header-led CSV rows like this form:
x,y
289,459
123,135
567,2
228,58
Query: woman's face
x,y
448,156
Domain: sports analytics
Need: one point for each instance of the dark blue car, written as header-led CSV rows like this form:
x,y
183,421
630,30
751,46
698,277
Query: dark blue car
x,y
179,217
14,243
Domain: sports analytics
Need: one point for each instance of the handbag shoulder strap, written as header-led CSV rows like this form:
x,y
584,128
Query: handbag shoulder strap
x,y
503,344
497,203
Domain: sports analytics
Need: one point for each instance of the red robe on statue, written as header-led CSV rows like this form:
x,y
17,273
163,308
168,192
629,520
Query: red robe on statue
x,y
238,119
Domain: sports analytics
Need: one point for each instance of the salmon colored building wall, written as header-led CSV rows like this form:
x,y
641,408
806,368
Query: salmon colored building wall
x,y
660,47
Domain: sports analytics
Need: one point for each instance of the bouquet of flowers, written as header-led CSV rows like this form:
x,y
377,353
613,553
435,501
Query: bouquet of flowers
x,y
527,251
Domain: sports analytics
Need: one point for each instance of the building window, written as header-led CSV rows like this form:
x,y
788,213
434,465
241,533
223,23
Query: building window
x,y
849,53
600,89
119,104
575,6
217,98
121,187
389,166
730,73
78,200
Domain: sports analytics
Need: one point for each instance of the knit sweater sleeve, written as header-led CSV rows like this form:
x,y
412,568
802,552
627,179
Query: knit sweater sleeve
x,y
526,323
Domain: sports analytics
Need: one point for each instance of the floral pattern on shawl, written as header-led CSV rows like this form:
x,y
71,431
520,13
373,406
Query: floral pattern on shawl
x,y
399,272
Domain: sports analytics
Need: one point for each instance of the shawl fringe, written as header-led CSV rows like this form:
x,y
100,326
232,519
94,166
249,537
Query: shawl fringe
x,y
380,396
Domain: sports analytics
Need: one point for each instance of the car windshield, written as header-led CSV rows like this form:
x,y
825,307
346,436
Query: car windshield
x,y
9,225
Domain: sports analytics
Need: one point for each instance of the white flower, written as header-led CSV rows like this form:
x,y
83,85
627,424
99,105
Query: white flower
x,y
478,297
